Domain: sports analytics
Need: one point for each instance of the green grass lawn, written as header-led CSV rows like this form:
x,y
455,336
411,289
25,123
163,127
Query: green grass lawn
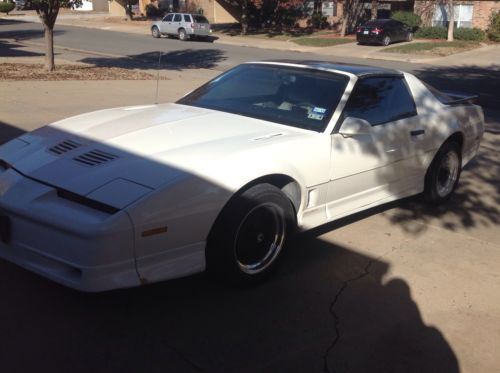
x,y
321,42
439,48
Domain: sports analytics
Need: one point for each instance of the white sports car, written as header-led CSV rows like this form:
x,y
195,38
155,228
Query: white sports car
x,y
219,180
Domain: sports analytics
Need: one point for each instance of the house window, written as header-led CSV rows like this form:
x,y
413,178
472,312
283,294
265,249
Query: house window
x,y
463,15
329,8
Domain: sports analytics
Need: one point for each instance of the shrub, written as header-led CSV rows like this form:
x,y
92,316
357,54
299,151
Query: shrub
x,y
409,18
494,27
6,7
428,32
474,34
153,12
318,20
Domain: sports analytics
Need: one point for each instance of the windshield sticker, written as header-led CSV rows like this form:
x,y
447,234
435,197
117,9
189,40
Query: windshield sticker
x,y
319,110
315,116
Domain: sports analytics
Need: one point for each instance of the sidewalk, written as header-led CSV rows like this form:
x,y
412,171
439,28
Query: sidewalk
x,y
487,55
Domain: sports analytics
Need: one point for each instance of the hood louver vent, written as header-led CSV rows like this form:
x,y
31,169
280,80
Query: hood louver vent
x,y
95,158
64,147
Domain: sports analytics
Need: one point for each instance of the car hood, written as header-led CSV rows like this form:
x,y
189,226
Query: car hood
x,y
145,145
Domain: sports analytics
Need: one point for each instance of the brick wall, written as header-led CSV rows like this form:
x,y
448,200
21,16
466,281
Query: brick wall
x,y
480,13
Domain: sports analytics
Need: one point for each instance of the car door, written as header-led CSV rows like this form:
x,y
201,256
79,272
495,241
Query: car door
x,y
176,23
378,162
166,24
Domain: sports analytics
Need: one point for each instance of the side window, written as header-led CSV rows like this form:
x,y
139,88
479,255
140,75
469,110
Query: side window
x,y
380,100
187,18
177,18
168,18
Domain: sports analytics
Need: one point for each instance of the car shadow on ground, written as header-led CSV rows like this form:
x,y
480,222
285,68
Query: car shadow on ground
x,y
174,60
326,309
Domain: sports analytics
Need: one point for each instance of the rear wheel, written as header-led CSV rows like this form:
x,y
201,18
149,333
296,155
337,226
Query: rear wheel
x,y
409,36
182,34
386,40
155,32
249,236
443,174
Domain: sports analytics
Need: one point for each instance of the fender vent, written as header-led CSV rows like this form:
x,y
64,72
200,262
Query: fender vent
x,y
64,147
95,158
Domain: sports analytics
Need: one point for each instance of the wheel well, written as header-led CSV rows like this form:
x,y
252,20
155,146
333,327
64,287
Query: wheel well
x,y
457,137
289,186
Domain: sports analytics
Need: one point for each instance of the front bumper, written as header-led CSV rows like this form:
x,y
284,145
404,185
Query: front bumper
x,y
74,245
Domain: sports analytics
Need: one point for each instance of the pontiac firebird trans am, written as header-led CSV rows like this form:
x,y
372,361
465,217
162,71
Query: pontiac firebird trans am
x,y
219,180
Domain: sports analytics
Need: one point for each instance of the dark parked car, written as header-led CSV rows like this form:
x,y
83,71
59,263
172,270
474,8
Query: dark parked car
x,y
383,31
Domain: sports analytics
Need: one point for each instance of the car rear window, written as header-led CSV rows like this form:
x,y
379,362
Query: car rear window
x,y
376,23
200,19
187,18
299,97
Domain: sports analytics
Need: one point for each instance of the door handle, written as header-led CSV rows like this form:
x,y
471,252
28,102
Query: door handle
x,y
417,132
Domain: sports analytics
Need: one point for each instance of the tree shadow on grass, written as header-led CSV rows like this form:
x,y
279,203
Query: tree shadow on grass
x,y
174,60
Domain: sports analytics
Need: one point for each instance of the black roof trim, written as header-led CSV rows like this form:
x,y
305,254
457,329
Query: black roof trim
x,y
358,70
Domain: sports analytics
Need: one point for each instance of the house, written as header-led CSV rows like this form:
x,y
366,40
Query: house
x,y
467,13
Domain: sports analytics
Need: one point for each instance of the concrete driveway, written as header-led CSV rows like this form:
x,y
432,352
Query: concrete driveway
x,y
405,287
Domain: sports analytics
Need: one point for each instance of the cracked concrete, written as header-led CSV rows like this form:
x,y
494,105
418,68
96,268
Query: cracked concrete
x,y
336,317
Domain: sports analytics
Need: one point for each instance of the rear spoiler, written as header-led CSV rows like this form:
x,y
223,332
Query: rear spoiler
x,y
460,99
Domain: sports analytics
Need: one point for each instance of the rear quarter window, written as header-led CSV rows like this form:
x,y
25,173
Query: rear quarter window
x,y
380,100
200,19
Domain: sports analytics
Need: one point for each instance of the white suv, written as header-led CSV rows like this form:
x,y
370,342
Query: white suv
x,y
183,25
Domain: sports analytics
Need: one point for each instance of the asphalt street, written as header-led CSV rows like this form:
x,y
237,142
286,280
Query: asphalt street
x,y
109,48
143,49
401,288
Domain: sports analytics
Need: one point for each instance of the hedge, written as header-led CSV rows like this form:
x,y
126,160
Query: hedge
x,y
6,7
431,32
494,27
409,18
471,34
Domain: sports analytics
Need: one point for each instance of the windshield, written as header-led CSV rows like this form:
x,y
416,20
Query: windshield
x,y
299,97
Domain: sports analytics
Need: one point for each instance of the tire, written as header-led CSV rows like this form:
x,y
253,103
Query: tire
x,y
249,236
409,36
443,173
155,32
386,40
183,36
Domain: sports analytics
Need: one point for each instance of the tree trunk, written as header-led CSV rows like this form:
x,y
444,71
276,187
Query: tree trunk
x,y
128,11
374,9
244,17
451,20
49,52
344,26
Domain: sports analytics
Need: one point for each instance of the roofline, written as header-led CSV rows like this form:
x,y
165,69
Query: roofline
x,y
381,72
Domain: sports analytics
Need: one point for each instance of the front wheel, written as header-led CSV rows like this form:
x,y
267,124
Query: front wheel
x,y
249,236
155,32
443,174
409,36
